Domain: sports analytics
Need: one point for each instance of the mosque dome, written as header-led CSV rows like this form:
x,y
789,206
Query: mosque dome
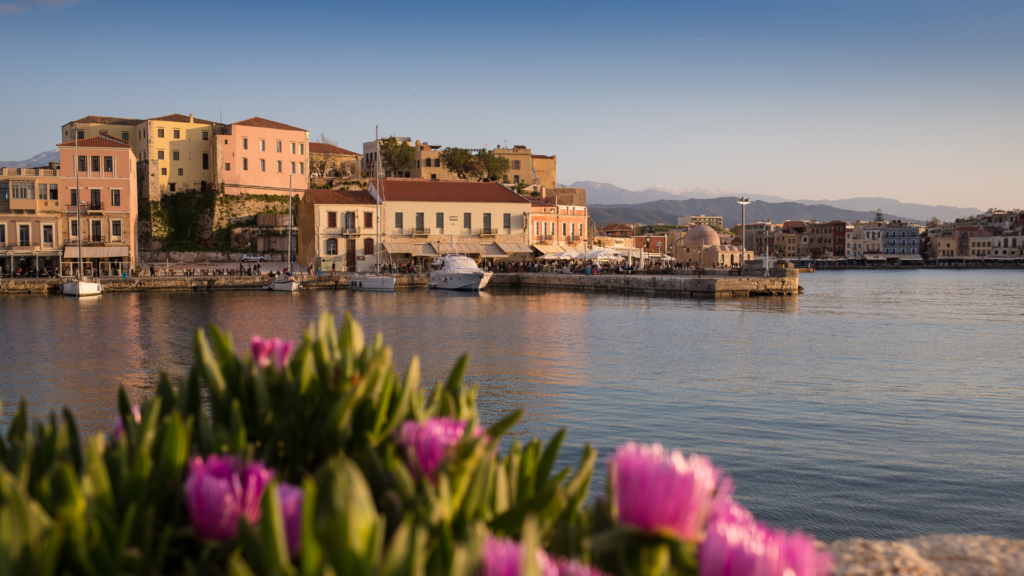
x,y
701,235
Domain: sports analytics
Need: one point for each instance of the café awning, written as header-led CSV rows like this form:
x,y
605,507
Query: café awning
x,y
493,251
874,257
424,250
913,258
400,247
96,252
549,248
515,247
468,248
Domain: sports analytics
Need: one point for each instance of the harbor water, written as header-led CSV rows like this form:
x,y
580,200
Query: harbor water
x,y
879,404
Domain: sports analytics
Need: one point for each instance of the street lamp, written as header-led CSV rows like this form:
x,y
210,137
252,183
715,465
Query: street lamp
x,y
743,229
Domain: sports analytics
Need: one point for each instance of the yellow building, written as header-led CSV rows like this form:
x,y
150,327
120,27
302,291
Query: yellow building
x,y
784,244
30,224
428,164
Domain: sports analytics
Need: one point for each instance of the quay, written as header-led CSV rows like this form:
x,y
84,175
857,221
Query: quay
x,y
723,284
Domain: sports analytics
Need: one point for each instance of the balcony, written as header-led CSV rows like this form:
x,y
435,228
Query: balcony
x,y
93,239
420,232
86,206
545,238
488,231
350,231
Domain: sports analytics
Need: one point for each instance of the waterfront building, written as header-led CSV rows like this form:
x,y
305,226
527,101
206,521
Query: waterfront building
x,y
854,243
617,230
261,156
795,226
963,235
838,238
873,242
784,244
424,218
702,248
335,162
756,234
555,225
338,228
30,222
942,247
701,220
103,177
980,245
1008,245
820,236
901,241
652,243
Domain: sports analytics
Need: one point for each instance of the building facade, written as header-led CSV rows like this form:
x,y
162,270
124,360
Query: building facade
x,y
900,239
555,226
701,220
329,161
261,156
338,231
30,220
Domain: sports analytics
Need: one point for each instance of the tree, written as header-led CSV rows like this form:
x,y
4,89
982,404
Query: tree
x,y
456,161
321,161
933,222
879,217
396,156
495,166
475,169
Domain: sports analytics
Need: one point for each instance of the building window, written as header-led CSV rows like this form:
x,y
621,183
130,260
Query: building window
x,y
398,221
124,136
159,132
81,163
227,166
206,135
293,147
206,161
487,221
23,237
95,163
302,148
563,229
175,155
74,197
163,171
367,219
172,186
115,197
440,221
332,246
263,165
506,221
293,167
278,147
159,154
181,171
115,229
467,220
245,163
81,134
263,145
48,234
332,219
108,163
368,246
279,166
74,228
42,191
177,134
419,221
515,179
516,165
53,192
245,143
302,167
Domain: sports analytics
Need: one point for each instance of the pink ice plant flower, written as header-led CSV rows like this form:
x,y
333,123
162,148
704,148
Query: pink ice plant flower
x,y
502,556
748,548
267,351
657,490
221,489
431,442
119,423
576,568
291,509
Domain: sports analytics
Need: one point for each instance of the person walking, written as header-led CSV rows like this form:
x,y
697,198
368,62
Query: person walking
x,y
333,268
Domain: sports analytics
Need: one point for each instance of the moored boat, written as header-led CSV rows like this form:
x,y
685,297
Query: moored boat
x,y
457,272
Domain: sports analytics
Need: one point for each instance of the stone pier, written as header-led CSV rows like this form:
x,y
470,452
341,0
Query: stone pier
x,y
780,283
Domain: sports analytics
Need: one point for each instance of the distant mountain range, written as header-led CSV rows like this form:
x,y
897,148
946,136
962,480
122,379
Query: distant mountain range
x,y
604,193
41,159
667,211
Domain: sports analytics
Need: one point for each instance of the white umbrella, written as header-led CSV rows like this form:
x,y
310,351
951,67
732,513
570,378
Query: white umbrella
x,y
568,255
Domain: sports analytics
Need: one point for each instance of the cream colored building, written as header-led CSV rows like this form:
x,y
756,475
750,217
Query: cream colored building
x,y
427,164
30,218
423,218
370,157
785,244
338,231
702,220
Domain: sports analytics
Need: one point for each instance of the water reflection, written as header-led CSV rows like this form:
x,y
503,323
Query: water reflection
x,y
876,404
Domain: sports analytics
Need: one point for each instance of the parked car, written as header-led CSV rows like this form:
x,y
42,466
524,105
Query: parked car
x,y
253,258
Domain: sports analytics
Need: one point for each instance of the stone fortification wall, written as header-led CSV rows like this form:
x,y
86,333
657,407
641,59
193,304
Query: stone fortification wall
x,y
780,284
569,196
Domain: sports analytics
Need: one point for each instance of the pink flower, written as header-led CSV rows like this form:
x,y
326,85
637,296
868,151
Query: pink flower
x,y
267,351
119,423
748,548
431,442
291,510
501,557
576,568
658,490
220,490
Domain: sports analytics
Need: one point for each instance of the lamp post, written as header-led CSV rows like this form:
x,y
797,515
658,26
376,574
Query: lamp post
x,y
743,230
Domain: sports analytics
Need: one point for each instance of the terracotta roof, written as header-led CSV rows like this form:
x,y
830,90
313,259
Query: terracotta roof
x,y
264,123
448,191
318,148
98,142
182,118
318,196
615,226
107,120
541,157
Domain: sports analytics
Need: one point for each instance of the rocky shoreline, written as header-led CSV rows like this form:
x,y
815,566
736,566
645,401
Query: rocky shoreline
x,y
934,555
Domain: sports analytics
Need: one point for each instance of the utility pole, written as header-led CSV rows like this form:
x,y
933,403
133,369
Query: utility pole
x,y
743,230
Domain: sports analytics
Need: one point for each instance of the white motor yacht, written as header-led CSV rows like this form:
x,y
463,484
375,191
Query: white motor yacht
x,y
457,272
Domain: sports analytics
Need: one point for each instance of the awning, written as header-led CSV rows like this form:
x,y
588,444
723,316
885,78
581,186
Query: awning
x,y
400,247
493,251
469,248
96,252
515,247
874,257
549,248
913,257
424,250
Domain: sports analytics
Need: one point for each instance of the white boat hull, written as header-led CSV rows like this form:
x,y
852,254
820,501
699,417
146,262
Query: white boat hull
x,y
463,281
80,288
285,285
372,283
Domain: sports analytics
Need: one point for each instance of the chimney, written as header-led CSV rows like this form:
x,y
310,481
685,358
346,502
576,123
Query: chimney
x,y
190,118
543,192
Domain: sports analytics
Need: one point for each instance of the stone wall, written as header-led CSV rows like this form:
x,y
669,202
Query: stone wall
x,y
158,256
936,555
782,283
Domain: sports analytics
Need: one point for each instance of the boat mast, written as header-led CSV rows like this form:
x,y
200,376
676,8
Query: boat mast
x,y
78,205
290,224
376,135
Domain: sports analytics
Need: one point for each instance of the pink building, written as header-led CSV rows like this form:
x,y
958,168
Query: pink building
x,y
258,156
103,180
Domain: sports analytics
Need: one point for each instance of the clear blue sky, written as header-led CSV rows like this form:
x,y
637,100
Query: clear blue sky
x,y
915,100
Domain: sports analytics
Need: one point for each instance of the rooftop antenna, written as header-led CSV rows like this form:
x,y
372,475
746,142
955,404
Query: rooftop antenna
x,y
221,114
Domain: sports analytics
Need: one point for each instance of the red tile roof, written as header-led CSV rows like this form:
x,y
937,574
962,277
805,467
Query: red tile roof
x,y
182,118
448,191
258,122
107,120
318,196
318,148
106,141
615,226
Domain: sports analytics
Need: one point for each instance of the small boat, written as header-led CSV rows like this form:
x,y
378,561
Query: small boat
x,y
285,283
372,283
79,288
457,272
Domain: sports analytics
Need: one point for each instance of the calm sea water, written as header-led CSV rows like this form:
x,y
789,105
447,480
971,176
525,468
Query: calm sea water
x,y
877,404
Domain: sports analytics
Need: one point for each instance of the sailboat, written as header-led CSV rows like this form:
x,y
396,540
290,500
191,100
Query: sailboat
x,y
79,286
375,282
286,282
